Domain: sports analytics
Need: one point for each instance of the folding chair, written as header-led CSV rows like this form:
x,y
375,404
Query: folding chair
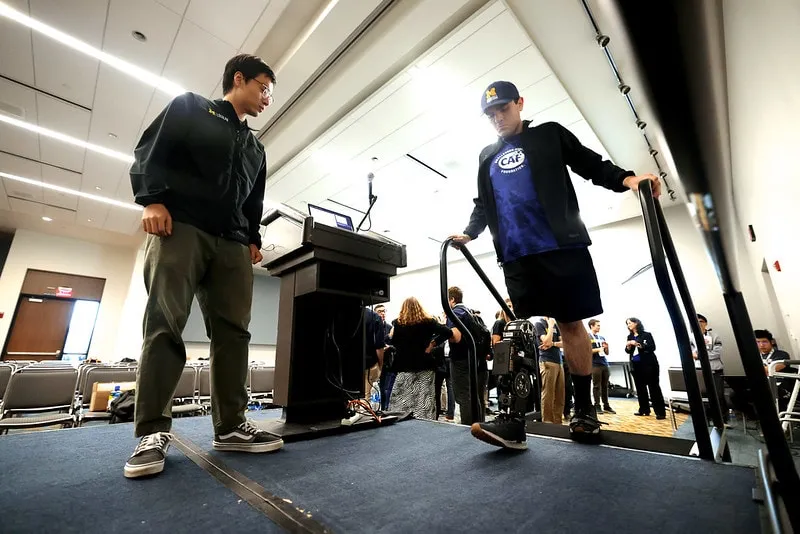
x,y
678,384
186,391
262,382
91,375
6,370
32,390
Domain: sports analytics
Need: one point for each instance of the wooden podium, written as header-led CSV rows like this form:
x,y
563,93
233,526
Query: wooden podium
x,y
328,276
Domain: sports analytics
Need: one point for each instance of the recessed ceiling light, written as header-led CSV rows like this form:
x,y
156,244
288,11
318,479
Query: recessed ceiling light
x,y
139,36
88,220
112,135
47,219
127,158
52,187
121,65
98,188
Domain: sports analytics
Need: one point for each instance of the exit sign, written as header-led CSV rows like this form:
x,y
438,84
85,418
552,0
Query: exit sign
x,y
64,292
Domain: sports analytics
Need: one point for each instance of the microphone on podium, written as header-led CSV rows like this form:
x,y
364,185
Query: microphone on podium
x,y
370,177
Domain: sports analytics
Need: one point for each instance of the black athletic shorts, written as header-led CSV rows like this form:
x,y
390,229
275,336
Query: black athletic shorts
x,y
561,284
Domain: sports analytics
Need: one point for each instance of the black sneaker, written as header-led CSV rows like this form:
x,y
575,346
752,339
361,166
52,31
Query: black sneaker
x,y
148,456
598,409
608,409
247,437
504,431
584,423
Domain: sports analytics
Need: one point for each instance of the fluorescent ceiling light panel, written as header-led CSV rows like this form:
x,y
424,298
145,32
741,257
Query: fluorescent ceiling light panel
x,y
66,138
121,65
69,191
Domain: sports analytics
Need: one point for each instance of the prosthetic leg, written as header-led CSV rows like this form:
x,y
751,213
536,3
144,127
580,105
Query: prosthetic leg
x,y
517,371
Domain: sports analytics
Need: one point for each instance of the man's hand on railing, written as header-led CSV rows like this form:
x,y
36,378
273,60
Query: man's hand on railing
x,y
632,182
460,239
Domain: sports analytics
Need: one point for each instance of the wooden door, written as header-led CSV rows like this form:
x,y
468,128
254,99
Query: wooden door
x,y
39,329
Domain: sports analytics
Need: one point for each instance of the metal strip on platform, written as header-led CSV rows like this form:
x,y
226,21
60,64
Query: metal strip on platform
x,y
279,511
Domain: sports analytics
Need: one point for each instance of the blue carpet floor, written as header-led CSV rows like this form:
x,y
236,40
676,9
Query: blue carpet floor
x,y
418,476
71,481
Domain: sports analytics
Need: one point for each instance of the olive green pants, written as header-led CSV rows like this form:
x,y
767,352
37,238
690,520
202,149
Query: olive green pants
x,y
176,268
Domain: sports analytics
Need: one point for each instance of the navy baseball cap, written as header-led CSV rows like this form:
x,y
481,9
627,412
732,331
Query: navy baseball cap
x,y
497,94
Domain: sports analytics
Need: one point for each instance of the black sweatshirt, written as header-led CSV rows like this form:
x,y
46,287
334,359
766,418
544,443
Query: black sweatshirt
x,y
205,166
411,340
549,148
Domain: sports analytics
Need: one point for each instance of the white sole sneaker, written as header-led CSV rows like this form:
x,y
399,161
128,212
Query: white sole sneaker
x,y
136,471
248,447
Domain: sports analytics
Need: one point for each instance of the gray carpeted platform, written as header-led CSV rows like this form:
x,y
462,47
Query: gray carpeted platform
x,y
71,481
419,476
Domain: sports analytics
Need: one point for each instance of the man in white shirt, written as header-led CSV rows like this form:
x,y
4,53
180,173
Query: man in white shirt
x,y
714,348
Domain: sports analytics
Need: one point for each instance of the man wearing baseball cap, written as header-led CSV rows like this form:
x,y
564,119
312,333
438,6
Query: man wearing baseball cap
x,y
526,198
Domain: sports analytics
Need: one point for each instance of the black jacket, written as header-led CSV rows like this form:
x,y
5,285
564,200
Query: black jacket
x,y
205,166
647,353
412,340
549,148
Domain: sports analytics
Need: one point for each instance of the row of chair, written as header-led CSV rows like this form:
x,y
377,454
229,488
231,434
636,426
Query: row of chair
x,y
61,394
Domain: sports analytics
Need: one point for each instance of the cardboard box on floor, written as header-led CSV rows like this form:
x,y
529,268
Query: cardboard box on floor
x,y
101,391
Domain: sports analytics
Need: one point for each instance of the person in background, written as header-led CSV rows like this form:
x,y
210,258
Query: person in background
x,y
414,335
644,365
459,362
501,320
375,343
770,353
552,370
200,174
442,375
714,348
386,380
600,371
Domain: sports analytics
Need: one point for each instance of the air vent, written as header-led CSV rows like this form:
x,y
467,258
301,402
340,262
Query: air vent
x,y
10,109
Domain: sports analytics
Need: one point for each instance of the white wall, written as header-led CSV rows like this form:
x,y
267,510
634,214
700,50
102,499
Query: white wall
x,y
129,331
762,99
33,250
619,250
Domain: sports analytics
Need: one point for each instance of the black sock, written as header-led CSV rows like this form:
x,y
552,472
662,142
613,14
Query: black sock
x,y
582,390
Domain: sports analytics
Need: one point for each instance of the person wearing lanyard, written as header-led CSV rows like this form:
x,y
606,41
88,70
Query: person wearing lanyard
x,y
600,370
714,348
644,365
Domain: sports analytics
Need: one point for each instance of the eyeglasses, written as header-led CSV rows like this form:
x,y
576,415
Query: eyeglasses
x,y
265,90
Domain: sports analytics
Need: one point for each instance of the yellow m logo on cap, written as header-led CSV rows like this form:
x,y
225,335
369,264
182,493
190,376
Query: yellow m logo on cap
x,y
491,93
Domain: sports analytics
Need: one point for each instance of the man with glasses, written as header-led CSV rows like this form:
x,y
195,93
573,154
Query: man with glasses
x,y
526,198
770,353
201,176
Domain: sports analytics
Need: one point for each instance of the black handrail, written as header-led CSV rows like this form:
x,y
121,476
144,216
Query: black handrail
x,y
654,238
475,401
769,494
691,313
682,73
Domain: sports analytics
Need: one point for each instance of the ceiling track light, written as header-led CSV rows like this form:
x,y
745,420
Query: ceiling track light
x,y
68,191
153,80
603,41
64,138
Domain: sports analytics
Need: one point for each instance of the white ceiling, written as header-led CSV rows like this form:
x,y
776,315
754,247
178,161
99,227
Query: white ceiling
x,y
55,87
422,100
431,112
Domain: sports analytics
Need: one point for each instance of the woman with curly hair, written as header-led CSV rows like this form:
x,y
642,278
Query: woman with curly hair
x,y
414,335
